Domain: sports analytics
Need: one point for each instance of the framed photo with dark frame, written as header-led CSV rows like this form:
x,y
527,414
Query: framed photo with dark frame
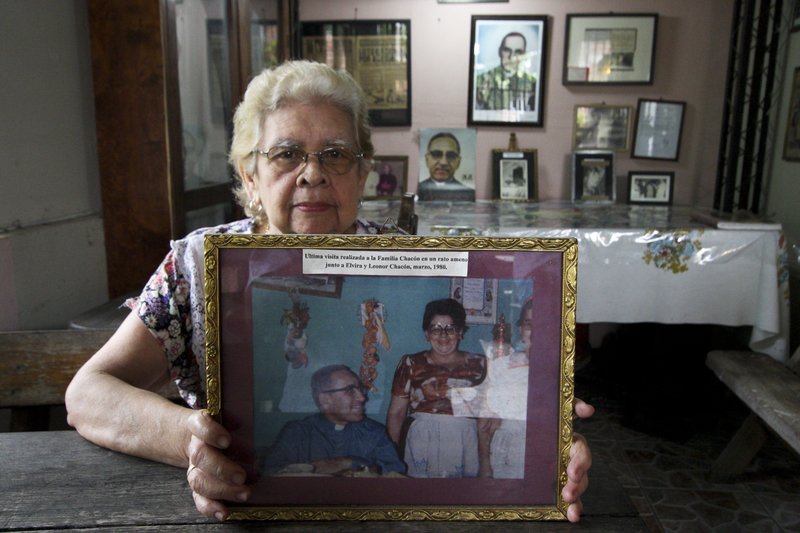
x,y
278,362
650,187
659,124
593,178
507,74
791,142
611,49
515,174
388,179
601,127
378,55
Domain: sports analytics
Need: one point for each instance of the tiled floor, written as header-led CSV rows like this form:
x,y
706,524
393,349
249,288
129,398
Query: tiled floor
x,y
663,461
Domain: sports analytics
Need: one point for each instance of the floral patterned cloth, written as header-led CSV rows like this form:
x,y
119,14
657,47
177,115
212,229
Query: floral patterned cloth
x,y
172,305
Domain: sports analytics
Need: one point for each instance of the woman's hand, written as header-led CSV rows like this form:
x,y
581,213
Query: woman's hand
x,y
212,476
580,461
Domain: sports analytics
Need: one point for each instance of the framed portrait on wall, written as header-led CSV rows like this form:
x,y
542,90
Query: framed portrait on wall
x,y
611,49
601,127
508,56
388,179
650,187
659,124
791,142
378,55
593,179
515,175
447,164
286,370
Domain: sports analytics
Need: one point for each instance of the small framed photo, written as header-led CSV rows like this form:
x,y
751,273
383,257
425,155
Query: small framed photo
x,y
659,124
447,164
316,389
377,53
593,179
650,188
613,49
507,73
791,143
515,174
601,127
388,179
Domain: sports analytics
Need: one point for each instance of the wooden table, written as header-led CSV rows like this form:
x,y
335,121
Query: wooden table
x,y
57,480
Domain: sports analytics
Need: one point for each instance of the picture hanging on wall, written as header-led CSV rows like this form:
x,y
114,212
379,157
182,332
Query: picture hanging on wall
x,y
515,174
593,179
378,55
650,188
612,49
659,124
508,56
791,144
388,179
345,357
601,127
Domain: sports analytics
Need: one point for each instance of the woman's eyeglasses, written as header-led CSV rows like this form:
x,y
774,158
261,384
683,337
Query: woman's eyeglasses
x,y
350,389
339,160
450,154
438,330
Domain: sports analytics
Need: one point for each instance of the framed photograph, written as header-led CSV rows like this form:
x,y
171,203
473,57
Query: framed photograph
x,y
507,70
659,124
447,164
479,298
378,55
650,188
601,127
614,49
593,179
515,174
286,371
791,143
388,179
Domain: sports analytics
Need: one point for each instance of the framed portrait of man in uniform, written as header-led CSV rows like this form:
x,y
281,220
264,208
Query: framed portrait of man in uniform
x,y
507,70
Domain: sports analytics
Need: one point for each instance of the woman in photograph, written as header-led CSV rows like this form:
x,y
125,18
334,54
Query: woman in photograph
x,y
437,444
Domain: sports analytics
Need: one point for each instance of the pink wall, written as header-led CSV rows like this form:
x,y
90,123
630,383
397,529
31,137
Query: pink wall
x,y
691,62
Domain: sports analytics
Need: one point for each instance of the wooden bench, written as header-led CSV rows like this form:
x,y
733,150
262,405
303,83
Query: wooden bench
x,y
771,391
36,368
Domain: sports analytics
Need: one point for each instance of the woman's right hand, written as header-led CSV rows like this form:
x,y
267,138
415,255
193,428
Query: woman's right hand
x,y
211,475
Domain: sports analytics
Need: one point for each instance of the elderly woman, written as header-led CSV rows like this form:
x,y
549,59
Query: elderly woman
x,y
302,151
421,387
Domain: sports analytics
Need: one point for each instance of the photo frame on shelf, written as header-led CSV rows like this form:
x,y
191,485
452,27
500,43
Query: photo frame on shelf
x,y
256,394
388,179
791,142
650,187
601,127
515,174
612,49
377,53
659,125
507,70
593,178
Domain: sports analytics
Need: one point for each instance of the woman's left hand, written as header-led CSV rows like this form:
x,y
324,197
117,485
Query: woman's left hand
x,y
580,461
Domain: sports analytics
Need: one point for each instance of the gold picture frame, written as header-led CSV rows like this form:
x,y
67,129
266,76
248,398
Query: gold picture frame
x,y
386,280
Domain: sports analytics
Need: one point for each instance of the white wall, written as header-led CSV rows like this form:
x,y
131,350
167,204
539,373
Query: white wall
x,y
691,61
52,259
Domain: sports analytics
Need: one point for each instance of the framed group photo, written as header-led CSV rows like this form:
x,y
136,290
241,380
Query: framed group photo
x,y
507,70
515,174
650,188
593,179
377,53
388,179
601,127
286,372
659,124
612,49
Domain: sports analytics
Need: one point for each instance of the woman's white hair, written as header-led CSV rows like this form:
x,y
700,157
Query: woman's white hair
x,y
293,82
